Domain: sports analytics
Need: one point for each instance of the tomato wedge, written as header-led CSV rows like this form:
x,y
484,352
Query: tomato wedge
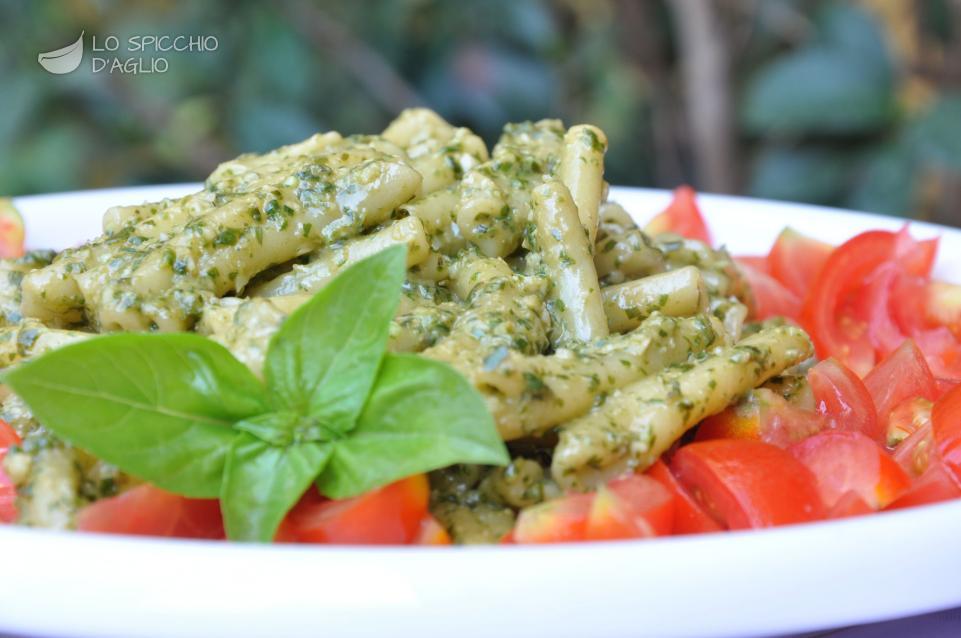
x,y
915,453
851,462
935,485
757,262
771,298
391,515
748,484
689,516
763,415
635,506
907,418
902,375
146,510
431,532
796,260
835,333
841,397
559,520
11,231
942,305
850,504
682,217
946,427
8,492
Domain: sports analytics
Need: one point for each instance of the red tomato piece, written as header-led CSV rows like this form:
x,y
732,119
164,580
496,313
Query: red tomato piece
x,y
842,398
8,492
771,298
943,386
757,262
559,520
942,305
915,453
903,375
11,232
8,437
390,515
875,308
942,352
635,506
689,517
851,462
935,485
682,217
432,532
946,427
907,418
915,256
850,504
8,499
843,274
796,260
146,510
763,416
748,484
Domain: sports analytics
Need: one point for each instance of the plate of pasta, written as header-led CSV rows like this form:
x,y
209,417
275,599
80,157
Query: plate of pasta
x,y
226,406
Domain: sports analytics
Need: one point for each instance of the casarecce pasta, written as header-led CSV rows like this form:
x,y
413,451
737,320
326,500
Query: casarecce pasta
x,y
594,345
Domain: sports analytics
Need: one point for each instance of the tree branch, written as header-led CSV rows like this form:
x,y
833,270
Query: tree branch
x,y
707,91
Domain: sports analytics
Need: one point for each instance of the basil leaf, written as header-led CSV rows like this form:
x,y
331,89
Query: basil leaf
x,y
158,406
324,359
262,482
421,415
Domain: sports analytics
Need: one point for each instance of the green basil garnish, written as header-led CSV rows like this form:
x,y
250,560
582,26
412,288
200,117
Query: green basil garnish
x,y
180,411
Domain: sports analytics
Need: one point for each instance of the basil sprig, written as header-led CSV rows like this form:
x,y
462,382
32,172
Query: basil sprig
x,y
335,408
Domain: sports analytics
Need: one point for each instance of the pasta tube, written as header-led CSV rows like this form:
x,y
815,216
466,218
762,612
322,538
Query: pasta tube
x,y
313,275
529,394
678,293
640,421
563,245
31,339
582,172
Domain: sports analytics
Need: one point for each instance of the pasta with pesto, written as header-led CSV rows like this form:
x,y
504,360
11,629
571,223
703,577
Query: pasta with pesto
x,y
594,346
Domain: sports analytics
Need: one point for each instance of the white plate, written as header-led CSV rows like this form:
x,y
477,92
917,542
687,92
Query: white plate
x,y
791,579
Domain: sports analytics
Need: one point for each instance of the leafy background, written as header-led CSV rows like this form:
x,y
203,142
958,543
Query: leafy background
x,y
845,103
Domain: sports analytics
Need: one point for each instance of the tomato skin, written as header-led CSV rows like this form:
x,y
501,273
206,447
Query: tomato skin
x,y
846,462
902,375
689,516
796,260
390,515
682,216
843,273
946,427
763,416
146,510
771,298
844,400
748,484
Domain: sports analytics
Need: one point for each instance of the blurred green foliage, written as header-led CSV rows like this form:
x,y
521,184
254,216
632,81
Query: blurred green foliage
x,y
831,106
